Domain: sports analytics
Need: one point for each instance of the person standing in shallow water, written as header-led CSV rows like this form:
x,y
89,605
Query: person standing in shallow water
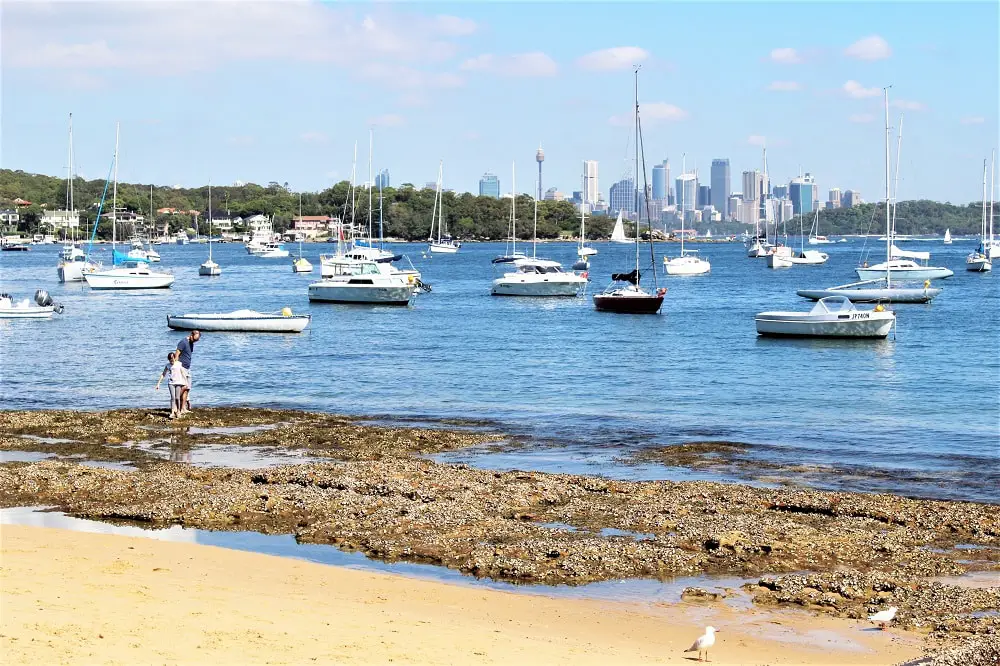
x,y
186,348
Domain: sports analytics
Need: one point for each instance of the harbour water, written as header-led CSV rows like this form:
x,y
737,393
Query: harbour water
x,y
918,415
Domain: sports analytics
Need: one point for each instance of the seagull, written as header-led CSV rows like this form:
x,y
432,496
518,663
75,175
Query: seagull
x,y
703,643
884,617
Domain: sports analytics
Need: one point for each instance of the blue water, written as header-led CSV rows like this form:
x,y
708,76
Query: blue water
x,y
919,414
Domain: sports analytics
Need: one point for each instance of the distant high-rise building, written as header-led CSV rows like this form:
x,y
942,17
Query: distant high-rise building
x,y
552,194
489,186
591,191
687,192
850,198
721,185
704,196
753,185
622,196
780,191
660,176
834,198
540,157
802,192
382,179
731,205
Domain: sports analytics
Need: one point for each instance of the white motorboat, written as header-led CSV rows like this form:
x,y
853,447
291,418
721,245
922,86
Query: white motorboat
x,y
73,269
881,289
689,262
363,282
980,259
618,233
269,250
905,268
947,237
809,257
152,255
300,264
831,317
242,321
181,238
819,240
538,277
775,260
42,308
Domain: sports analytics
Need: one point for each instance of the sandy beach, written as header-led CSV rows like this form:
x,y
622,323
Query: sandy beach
x,y
71,597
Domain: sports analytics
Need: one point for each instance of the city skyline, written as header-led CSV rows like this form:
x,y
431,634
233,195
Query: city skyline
x,y
198,111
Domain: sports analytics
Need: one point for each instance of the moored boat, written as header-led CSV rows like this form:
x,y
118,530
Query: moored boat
x,y
241,321
42,308
831,317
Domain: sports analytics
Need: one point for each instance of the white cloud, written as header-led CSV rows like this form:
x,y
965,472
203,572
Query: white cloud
x,y
858,91
618,57
861,118
387,120
786,56
314,137
785,86
973,120
170,38
516,65
757,140
651,112
908,105
869,48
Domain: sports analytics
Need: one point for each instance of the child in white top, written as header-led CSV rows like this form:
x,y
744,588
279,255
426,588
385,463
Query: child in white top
x,y
177,382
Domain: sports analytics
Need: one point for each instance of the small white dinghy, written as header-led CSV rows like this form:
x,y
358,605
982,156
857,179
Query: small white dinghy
x,y
42,308
241,321
831,317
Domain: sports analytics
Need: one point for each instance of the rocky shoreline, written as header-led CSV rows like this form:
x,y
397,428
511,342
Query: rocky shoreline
x,y
371,488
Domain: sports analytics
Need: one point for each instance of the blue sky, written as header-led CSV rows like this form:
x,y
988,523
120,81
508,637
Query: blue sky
x,y
261,91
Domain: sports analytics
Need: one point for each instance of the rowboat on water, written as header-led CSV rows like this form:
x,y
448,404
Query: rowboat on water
x,y
241,321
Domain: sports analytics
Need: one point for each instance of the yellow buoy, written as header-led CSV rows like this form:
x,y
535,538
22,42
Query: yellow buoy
x,y
286,311
879,308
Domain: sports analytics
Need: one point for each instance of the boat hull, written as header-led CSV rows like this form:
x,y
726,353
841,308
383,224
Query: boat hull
x,y
930,273
31,312
115,280
894,295
516,285
73,271
249,324
683,266
777,261
979,265
647,304
852,325
360,294
443,248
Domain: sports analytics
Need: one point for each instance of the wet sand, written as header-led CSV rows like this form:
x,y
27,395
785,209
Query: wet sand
x,y
72,597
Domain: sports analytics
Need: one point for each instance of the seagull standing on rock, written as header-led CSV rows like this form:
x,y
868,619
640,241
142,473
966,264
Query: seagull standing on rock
x,y
884,617
704,642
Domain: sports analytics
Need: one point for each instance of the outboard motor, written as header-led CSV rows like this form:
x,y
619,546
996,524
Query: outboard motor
x,y
42,298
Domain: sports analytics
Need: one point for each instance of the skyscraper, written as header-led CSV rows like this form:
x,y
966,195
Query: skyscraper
x,y
622,196
540,157
721,186
802,191
753,185
382,179
590,189
489,186
660,175
835,198
704,196
687,191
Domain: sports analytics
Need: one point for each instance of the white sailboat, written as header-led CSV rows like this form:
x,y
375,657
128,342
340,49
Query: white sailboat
x,y
979,260
583,250
512,223
443,244
881,289
808,257
210,268
814,237
618,233
688,263
300,264
537,277
947,236
126,273
73,262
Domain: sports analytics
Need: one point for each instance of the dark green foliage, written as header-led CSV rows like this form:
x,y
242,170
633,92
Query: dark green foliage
x,y
912,217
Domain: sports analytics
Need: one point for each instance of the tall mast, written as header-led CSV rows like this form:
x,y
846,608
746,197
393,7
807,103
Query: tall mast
x,y
982,220
513,210
300,222
210,216
888,227
114,197
993,161
534,232
69,180
354,178
371,134
895,187
381,243
440,201
683,187
636,74
762,208
152,219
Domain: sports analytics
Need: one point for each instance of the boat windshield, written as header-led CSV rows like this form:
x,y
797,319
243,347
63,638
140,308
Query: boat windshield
x,y
832,305
353,268
533,266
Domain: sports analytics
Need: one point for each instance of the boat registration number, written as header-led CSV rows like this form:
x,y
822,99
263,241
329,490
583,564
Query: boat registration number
x,y
860,315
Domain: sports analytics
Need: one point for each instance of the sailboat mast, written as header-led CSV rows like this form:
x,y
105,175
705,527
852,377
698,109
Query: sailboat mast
x,y
381,236
210,216
69,180
371,136
300,221
583,213
636,74
440,198
534,231
888,226
982,218
513,209
895,187
114,196
683,187
152,218
993,161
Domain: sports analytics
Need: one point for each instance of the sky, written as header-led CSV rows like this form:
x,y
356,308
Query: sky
x,y
283,90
